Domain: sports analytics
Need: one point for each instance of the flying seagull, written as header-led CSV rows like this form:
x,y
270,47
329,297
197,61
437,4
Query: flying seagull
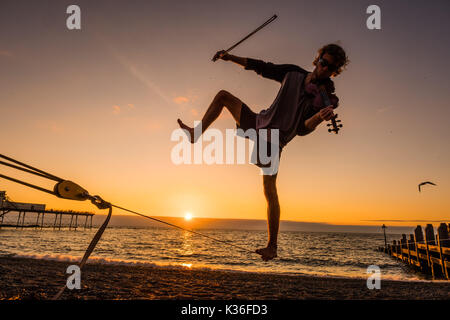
x,y
426,182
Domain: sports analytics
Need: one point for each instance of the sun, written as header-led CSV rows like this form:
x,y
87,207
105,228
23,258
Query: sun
x,y
188,216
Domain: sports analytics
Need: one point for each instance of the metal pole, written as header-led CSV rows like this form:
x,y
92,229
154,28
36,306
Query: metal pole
x,y
18,219
23,218
384,231
37,219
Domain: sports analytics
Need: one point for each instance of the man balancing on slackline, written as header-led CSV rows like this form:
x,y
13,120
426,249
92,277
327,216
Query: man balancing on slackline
x,y
297,110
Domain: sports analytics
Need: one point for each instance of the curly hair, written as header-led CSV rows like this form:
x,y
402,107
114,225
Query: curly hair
x,y
339,55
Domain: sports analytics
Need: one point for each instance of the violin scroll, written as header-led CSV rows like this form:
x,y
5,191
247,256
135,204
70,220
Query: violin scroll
x,y
335,124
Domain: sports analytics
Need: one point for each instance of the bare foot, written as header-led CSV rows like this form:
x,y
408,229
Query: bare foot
x,y
267,253
190,131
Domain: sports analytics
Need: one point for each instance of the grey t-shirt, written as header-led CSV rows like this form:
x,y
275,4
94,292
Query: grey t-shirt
x,y
291,107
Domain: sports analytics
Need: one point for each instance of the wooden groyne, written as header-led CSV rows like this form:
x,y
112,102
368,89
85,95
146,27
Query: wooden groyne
x,y
430,253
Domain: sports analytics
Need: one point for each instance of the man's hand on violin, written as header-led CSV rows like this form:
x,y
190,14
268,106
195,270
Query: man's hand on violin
x,y
326,113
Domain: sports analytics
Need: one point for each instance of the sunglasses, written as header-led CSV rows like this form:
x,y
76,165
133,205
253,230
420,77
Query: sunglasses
x,y
331,67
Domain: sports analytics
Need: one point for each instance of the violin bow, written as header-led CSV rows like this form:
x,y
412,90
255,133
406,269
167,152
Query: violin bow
x,y
248,36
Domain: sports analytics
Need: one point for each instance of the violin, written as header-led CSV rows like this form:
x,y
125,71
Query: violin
x,y
334,123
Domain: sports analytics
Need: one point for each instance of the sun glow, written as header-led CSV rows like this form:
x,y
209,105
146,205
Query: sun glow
x,y
188,216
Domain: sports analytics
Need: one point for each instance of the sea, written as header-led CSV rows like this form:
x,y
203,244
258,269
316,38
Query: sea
x,y
323,254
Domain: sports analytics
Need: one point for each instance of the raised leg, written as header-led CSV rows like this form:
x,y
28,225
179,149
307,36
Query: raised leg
x,y
222,99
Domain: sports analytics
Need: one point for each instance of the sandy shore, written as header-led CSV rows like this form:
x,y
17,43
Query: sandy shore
x,y
22,278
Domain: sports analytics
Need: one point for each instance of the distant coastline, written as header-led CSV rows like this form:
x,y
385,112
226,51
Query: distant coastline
x,y
247,224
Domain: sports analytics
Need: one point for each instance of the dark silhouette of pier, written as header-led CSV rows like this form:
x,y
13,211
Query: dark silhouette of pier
x,y
36,213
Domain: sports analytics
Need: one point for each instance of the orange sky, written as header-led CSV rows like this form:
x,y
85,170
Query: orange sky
x,y
98,107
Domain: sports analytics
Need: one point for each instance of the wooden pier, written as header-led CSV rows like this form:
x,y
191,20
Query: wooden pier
x,y
36,215
38,219
429,254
